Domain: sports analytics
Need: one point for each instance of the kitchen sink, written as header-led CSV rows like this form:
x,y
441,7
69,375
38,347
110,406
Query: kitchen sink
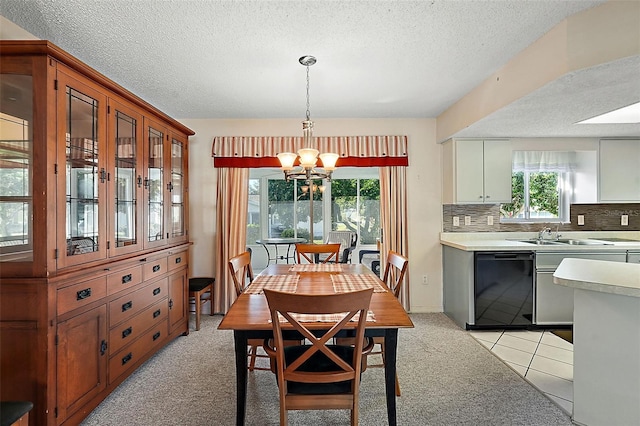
x,y
584,242
542,242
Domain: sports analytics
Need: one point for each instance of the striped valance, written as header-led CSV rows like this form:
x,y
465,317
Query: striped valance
x,y
354,151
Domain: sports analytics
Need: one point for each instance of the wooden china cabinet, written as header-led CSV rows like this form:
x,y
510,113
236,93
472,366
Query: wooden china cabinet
x,y
93,232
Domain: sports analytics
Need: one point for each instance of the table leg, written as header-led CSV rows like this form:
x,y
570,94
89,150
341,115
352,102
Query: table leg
x,y
390,349
268,256
240,339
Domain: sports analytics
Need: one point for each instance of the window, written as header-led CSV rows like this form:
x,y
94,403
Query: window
x,y
281,209
540,187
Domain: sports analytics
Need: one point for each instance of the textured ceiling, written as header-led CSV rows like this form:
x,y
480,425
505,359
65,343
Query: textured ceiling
x,y
376,59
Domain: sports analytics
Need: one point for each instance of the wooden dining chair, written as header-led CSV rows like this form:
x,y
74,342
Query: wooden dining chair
x,y
311,252
393,278
318,375
242,275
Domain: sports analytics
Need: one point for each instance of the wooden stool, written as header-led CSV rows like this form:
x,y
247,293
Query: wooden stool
x,y
15,413
198,289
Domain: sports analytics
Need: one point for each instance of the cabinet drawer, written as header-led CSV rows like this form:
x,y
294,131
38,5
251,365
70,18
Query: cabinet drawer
x,y
177,260
133,328
130,304
550,261
81,294
154,268
132,354
124,279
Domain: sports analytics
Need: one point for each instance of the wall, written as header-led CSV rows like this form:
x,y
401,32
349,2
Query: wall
x,y
423,180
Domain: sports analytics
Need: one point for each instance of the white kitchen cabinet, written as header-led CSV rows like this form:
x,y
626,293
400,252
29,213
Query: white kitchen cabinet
x,y
477,171
619,173
553,302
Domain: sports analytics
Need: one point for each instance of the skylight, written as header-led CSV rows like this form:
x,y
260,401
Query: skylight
x,y
626,115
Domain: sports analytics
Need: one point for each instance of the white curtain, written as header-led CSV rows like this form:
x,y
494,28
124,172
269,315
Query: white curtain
x,y
393,214
543,161
231,230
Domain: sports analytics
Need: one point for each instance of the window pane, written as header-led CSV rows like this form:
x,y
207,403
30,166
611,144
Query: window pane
x,y
516,208
543,195
369,220
281,209
344,205
253,214
304,206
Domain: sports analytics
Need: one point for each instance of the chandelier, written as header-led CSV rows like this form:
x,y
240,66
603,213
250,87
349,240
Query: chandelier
x,y
307,169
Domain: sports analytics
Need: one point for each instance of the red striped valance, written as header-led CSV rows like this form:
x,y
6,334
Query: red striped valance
x,y
354,151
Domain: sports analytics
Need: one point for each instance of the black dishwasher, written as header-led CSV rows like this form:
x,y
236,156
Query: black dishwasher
x,y
503,289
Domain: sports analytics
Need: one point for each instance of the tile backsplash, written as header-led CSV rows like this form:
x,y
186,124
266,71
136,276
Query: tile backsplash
x,y
597,217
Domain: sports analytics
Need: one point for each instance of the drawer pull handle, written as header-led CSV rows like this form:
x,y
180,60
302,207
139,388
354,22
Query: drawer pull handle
x,y
156,268
103,347
156,291
156,336
126,278
126,333
178,259
83,294
126,358
127,306
156,314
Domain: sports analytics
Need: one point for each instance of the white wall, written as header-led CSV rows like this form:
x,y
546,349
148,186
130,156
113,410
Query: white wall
x,y
423,178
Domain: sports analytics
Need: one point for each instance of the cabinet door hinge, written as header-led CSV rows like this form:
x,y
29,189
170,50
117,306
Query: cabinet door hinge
x,y
108,109
55,168
55,412
55,84
56,340
108,245
55,254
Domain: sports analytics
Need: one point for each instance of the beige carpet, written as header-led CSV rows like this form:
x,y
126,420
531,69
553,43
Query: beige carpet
x,y
447,378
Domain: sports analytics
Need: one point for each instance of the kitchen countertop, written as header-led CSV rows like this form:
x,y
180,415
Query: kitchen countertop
x,y
510,241
599,275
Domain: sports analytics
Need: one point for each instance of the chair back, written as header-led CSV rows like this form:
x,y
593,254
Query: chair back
x,y
311,252
241,271
308,375
348,241
394,271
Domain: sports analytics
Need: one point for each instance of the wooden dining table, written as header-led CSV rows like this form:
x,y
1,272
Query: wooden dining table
x,y
249,317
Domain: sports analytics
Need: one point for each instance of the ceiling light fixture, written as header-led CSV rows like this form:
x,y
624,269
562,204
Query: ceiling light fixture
x,y
307,169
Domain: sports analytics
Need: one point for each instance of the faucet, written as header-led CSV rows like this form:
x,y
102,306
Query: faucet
x,y
543,231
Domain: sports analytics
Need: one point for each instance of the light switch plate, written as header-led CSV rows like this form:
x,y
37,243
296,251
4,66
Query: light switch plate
x,y
581,219
467,220
456,221
490,220
624,220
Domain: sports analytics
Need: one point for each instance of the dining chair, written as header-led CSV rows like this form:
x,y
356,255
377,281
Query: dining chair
x,y
318,375
242,275
311,252
393,278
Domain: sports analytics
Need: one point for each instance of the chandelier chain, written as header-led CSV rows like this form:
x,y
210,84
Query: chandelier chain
x,y
308,112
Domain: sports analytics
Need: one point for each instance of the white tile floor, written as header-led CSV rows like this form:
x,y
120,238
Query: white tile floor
x,y
541,357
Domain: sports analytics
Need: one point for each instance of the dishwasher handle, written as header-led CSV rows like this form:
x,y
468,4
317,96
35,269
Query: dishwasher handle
x,y
504,256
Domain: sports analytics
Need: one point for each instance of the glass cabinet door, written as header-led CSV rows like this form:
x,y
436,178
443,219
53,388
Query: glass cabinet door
x,y
83,138
125,126
176,188
16,167
154,184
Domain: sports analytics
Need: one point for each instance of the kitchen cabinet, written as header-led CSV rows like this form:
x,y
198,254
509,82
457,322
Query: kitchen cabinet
x,y
93,231
477,171
554,303
619,174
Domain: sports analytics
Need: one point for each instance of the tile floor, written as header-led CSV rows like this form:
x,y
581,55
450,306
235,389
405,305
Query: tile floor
x,y
542,358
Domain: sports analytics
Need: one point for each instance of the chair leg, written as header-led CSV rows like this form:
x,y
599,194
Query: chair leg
x,y
198,308
252,360
211,300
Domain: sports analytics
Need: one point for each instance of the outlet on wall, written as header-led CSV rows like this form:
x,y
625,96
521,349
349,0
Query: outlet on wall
x,y
424,280
624,220
490,220
456,221
581,219
467,220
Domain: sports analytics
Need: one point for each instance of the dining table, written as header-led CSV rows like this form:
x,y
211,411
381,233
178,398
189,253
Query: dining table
x,y
249,316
